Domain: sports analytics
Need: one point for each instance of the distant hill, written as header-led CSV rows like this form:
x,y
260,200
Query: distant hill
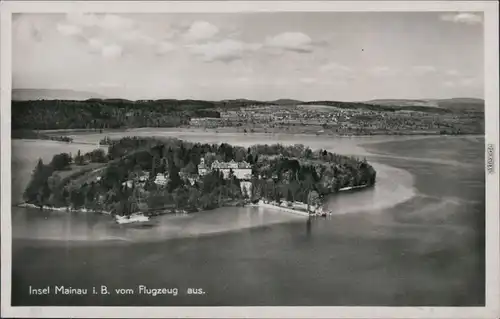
x,y
403,102
456,104
49,94
286,102
469,104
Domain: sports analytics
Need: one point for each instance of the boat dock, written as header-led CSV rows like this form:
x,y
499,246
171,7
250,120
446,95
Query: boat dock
x,y
284,209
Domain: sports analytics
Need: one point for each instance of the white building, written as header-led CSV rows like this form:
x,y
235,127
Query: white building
x,y
161,179
202,168
241,170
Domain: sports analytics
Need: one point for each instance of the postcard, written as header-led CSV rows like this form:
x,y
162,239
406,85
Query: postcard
x,y
249,159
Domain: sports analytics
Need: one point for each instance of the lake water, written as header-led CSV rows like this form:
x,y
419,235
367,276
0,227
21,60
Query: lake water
x,y
416,239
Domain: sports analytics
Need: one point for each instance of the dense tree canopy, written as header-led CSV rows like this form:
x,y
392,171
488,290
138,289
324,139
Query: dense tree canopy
x,y
279,172
100,114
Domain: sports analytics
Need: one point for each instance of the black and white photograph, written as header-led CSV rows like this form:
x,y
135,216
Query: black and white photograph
x,y
257,155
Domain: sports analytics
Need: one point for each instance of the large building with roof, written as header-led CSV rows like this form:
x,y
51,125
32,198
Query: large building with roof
x,y
241,170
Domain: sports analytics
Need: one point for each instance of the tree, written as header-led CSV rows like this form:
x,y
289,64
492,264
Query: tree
x,y
76,198
53,181
239,154
194,197
43,194
244,193
313,199
60,161
249,158
175,179
79,160
209,158
190,168
231,177
97,156
37,189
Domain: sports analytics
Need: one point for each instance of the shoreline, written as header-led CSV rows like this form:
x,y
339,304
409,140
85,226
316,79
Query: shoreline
x,y
62,209
142,217
233,130
305,213
350,188
283,209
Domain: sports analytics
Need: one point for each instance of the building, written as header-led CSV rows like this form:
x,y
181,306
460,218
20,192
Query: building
x,y
189,178
241,170
161,179
203,169
211,122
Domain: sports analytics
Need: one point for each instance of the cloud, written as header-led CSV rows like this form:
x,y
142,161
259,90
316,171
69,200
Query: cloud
x,y
423,69
136,36
466,82
82,19
111,51
68,29
225,50
115,22
463,17
382,71
335,68
109,35
452,72
291,41
200,30
98,46
104,21
469,82
165,47
95,43
308,80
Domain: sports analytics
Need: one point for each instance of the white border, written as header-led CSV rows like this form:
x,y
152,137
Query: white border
x,y
490,9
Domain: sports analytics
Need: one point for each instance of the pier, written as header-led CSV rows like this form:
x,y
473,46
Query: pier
x,y
284,209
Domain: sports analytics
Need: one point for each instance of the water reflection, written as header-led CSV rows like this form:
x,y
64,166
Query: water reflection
x,y
308,227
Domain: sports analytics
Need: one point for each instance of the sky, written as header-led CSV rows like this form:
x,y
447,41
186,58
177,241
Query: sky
x,y
344,56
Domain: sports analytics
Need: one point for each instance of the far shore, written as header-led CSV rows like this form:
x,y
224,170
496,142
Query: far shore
x,y
236,130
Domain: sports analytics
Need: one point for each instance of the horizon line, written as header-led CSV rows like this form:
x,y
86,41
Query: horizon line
x,y
103,97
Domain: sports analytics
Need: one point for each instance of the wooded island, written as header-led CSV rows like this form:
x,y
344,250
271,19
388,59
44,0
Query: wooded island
x,y
154,176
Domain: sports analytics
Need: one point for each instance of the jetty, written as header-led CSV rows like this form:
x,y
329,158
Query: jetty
x,y
292,210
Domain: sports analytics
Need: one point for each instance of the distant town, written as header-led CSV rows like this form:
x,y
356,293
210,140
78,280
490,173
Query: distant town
x,y
324,119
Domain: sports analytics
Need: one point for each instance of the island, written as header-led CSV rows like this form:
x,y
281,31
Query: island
x,y
141,177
